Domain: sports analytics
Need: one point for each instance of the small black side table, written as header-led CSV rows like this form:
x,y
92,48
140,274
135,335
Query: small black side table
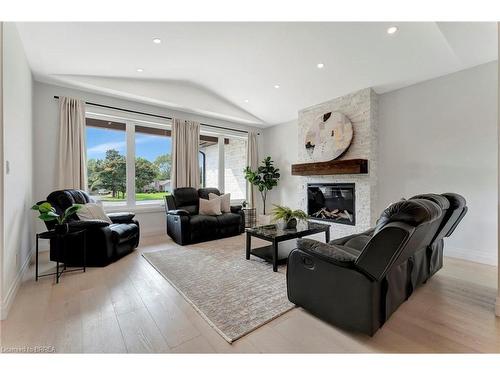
x,y
60,244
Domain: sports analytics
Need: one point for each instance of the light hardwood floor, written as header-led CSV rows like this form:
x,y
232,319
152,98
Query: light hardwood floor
x,y
129,307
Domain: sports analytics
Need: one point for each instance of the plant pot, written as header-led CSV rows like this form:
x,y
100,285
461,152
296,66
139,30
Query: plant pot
x,y
264,219
61,228
292,223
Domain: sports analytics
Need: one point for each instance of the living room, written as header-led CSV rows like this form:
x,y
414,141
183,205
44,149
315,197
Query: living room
x,y
249,187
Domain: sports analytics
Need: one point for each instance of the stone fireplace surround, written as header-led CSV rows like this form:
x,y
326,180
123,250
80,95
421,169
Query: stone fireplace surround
x,y
361,107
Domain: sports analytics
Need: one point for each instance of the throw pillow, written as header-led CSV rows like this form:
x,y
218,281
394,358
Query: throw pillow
x,y
210,207
225,201
92,211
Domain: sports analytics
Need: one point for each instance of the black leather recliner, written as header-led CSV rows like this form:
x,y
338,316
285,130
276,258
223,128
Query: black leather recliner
x,y
105,242
358,281
185,225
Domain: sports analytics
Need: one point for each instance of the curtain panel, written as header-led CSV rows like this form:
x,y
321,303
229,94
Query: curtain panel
x,y
185,151
72,172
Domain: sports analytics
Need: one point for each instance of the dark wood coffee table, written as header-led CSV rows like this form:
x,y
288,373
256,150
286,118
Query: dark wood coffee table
x,y
271,233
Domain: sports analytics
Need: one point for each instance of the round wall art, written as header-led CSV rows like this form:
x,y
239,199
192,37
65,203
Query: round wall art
x,y
328,137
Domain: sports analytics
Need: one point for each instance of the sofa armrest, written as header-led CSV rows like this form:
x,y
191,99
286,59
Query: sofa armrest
x,y
178,212
329,253
236,209
343,240
86,224
121,217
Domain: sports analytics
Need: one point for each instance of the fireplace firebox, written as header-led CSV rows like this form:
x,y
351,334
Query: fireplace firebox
x,y
332,202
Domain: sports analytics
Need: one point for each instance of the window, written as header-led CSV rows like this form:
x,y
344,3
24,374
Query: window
x,y
135,156
106,160
235,161
209,161
153,164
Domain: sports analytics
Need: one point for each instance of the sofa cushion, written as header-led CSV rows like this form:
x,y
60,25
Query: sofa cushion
x,y
92,211
210,207
205,221
225,201
203,228
358,242
330,253
123,232
228,219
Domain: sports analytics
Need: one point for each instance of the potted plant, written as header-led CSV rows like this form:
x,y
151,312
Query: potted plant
x,y
48,213
264,178
288,216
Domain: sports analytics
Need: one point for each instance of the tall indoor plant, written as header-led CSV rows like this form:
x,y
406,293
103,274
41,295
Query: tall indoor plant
x,y
264,178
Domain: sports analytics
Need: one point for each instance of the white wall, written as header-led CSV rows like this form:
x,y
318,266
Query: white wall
x,y
280,142
17,152
435,136
440,136
46,125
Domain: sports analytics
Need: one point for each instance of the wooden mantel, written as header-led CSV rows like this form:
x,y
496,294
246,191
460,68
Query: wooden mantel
x,y
350,166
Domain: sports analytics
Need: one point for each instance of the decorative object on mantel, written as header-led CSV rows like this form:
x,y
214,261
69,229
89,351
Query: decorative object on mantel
x,y
265,178
288,216
328,137
332,167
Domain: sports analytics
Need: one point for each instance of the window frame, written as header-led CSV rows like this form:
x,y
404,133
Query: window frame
x,y
144,120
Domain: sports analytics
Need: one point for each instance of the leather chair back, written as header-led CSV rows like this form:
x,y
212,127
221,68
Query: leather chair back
x,y
444,204
402,228
203,192
186,198
62,199
455,214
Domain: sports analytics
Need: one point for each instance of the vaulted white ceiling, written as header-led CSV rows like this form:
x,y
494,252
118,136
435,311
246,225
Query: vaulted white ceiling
x,y
229,70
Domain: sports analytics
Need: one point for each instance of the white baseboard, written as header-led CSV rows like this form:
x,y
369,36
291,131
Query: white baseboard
x,y
477,256
11,294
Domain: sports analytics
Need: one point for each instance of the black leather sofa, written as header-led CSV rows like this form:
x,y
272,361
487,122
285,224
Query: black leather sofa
x,y
358,282
185,225
105,242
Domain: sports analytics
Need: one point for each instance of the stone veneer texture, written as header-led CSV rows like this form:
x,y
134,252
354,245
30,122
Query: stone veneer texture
x,y
361,107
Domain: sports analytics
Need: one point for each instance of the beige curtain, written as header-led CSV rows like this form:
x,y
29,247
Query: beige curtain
x,y
253,163
72,160
185,150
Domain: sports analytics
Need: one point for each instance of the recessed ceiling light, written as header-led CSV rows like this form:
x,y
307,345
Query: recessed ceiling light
x,y
246,100
276,86
156,40
320,65
392,30
140,70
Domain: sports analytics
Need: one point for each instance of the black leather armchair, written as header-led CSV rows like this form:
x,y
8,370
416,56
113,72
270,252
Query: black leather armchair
x,y
185,225
357,282
105,242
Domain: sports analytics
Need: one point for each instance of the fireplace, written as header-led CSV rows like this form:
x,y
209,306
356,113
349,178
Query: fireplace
x,y
332,202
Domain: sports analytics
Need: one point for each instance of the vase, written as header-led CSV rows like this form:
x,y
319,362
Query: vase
x,y
61,228
264,219
292,223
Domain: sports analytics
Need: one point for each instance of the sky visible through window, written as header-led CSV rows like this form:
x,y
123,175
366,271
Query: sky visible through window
x,y
146,146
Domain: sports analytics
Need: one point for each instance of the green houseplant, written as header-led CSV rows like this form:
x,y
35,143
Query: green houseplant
x,y
48,213
288,215
264,178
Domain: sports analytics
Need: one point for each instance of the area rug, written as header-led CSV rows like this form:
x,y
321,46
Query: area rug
x,y
234,295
